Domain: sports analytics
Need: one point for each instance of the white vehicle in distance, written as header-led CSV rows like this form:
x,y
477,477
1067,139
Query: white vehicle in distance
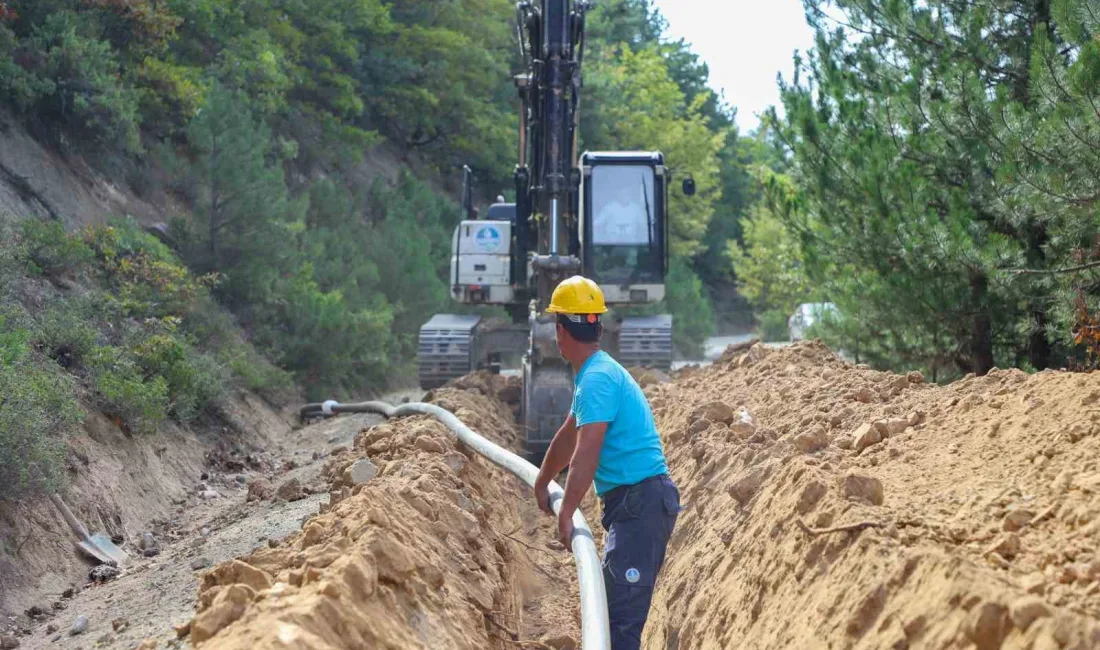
x,y
806,315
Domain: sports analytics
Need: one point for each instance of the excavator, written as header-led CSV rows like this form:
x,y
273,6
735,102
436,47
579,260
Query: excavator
x,y
600,214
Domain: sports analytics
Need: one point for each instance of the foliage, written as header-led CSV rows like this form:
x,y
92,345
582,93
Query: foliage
x,y
37,412
933,152
769,268
259,114
49,250
65,332
642,108
692,314
773,325
123,392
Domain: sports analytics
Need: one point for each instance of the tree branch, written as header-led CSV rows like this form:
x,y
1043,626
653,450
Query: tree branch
x,y
1064,269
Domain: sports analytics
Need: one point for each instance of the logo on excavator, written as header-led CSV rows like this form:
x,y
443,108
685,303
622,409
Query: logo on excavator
x,y
487,239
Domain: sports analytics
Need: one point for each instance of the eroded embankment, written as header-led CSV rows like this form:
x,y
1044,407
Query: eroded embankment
x,y
976,507
424,545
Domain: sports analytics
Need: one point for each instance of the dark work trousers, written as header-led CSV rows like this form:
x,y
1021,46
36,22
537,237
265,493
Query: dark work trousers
x,y
639,520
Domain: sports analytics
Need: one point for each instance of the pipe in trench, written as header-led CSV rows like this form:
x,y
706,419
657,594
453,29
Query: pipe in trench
x,y
595,629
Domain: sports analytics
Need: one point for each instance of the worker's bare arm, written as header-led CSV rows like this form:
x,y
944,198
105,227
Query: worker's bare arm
x,y
556,459
582,470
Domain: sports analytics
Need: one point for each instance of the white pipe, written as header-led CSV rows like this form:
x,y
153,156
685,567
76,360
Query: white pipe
x,y
595,629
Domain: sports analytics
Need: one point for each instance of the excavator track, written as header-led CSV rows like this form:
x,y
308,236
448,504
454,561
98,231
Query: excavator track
x,y
646,341
445,349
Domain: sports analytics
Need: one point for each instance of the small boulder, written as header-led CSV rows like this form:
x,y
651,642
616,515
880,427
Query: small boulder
x,y
1017,519
813,440
8,642
259,489
200,563
891,426
988,625
1008,546
899,383
559,642
361,471
743,424
698,426
457,461
103,573
1026,610
209,494
291,490
715,412
745,487
431,445
811,494
915,377
865,436
864,395
859,486
80,626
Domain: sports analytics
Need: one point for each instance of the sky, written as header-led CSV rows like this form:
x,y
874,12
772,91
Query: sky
x,y
745,43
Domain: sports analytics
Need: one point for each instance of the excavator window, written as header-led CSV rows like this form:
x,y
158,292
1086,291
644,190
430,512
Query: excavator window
x,y
625,232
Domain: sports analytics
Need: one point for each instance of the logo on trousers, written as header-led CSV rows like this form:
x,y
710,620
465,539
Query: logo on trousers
x,y
633,575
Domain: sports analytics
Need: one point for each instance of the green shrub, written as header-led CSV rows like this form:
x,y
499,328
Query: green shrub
x,y
773,326
52,251
37,411
65,332
213,329
145,278
123,392
195,382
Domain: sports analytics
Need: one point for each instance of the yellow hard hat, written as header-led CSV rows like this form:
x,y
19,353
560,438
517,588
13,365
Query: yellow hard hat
x,y
577,295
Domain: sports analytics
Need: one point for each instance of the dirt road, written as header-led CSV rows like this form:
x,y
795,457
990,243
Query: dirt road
x,y
517,583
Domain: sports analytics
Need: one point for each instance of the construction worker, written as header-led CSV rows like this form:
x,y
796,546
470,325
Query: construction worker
x,y
610,438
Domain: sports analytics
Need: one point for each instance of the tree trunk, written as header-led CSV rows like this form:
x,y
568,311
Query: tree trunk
x,y
1038,347
981,335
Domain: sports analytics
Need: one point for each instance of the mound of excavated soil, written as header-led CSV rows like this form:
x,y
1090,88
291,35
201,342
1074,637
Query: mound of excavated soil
x,y
423,545
832,506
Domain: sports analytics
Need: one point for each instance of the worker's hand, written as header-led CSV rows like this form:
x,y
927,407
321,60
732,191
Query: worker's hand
x,y
542,495
565,530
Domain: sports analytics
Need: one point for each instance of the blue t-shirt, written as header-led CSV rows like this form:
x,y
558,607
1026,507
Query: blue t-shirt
x,y
605,392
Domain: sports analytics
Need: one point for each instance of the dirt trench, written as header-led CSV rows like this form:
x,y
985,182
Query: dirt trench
x,y
833,506
422,544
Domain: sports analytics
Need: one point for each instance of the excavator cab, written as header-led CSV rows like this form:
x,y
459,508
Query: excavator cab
x,y
624,225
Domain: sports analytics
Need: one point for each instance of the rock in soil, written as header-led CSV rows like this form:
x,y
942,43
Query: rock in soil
x,y
291,490
259,489
867,488
560,642
715,412
80,626
865,436
361,471
103,573
8,642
